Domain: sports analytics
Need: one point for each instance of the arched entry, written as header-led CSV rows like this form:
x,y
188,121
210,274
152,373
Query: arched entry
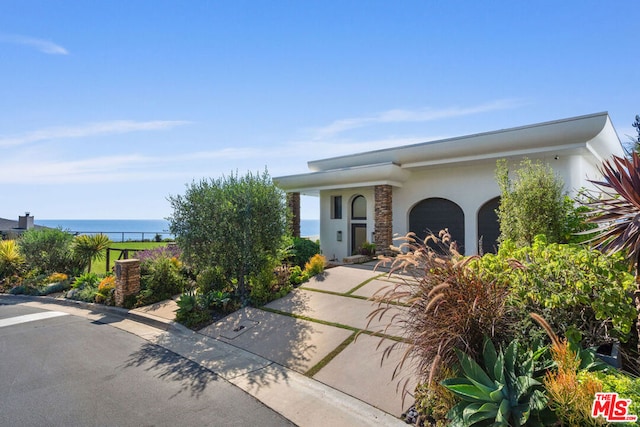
x,y
488,227
435,214
358,222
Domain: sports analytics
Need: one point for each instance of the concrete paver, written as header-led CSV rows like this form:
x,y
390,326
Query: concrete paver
x,y
294,343
359,371
340,279
334,308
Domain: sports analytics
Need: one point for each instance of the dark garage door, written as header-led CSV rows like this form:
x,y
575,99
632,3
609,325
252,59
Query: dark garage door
x,y
435,214
488,226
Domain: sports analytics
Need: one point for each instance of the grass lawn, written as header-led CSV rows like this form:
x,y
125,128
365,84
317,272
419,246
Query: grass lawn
x,y
100,266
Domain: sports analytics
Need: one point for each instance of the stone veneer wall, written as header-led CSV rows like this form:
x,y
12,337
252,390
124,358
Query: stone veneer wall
x,y
293,202
383,218
127,279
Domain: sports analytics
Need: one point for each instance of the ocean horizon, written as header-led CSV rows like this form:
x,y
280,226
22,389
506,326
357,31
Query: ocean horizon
x,y
120,230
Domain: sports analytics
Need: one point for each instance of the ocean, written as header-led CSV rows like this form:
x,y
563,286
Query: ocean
x,y
122,230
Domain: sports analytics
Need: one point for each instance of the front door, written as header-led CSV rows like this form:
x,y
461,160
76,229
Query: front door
x,y
358,237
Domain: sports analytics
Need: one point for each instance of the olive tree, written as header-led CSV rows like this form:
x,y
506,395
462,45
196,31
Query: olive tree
x,y
532,203
236,224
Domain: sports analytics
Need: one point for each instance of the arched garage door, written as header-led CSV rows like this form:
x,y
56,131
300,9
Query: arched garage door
x,y
435,214
488,226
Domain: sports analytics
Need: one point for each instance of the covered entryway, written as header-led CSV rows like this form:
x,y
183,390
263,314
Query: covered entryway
x,y
435,214
488,227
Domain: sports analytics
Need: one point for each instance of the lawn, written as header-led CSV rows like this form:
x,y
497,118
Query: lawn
x,y
100,266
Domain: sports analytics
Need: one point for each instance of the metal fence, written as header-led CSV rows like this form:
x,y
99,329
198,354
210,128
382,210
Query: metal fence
x,y
129,236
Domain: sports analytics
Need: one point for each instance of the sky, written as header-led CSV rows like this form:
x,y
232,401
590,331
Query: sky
x,y
109,108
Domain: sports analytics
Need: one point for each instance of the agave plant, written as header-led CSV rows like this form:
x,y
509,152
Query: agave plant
x,y
504,393
617,213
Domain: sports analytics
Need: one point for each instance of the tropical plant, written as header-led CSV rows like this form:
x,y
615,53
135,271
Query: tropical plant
x,y
449,304
84,287
236,223
504,393
48,250
160,279
533,203
86,279
88,248
10,258
190,312
617,213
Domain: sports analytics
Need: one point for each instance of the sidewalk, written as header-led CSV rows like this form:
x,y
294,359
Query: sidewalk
x,y
299,355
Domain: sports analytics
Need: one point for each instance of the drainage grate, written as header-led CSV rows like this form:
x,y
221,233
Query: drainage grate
x,y
238,329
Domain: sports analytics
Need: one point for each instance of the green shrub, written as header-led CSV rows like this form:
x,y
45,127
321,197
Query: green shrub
x,y
368,249
210,279
48,250
270,284
85,287
579,290
303,250
190,313
160,279
533,203
86,279
297,275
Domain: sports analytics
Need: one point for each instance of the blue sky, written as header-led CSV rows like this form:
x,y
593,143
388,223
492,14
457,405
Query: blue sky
x,y
107,108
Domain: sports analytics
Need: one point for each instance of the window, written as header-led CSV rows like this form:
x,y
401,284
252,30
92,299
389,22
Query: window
x,y
336,207
359,208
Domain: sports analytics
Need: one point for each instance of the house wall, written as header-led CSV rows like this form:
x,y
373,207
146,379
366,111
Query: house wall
x,y
330,246
470,186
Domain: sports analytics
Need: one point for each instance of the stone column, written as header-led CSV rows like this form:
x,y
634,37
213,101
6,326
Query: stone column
x,y
293,202
383,218
127,279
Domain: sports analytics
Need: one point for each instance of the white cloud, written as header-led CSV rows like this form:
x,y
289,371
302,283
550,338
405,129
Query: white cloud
x,y
89,129
44,46
403,116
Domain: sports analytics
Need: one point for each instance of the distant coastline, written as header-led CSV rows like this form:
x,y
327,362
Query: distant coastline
x,y
141,229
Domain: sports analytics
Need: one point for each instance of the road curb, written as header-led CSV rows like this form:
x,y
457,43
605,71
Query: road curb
x,y
147,319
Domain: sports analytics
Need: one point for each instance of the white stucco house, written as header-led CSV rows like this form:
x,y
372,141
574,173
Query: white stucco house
x,y
447,183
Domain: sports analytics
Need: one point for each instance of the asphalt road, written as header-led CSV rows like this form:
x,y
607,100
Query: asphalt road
x,y
70,371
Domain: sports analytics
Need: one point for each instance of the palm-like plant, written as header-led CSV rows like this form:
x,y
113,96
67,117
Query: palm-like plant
x,y
617,213
10,257
90,248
